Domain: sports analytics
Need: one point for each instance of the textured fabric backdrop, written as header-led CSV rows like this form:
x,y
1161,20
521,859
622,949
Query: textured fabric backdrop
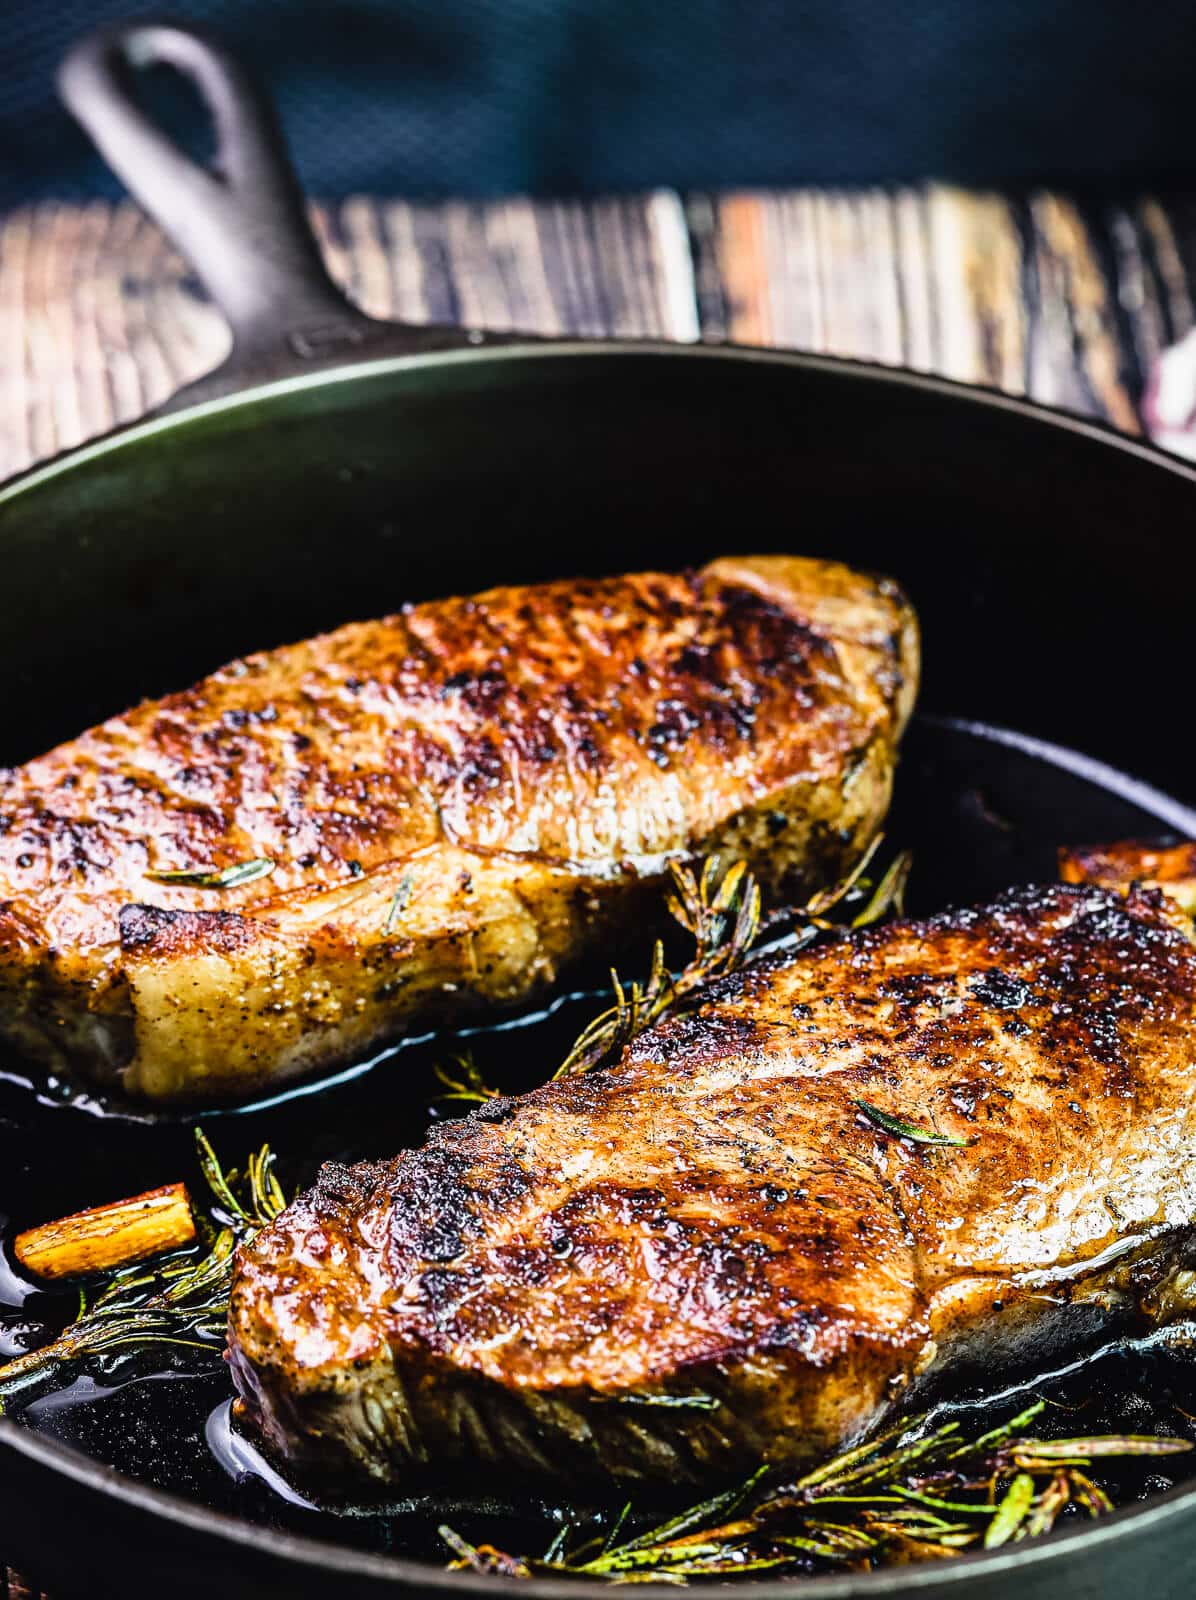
x,y
430,98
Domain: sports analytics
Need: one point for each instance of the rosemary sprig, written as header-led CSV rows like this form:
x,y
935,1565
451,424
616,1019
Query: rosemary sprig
x,y
231,877
721,912
695,1400
889,893
909,1492
398,902
900,1129
182,1299
463,1081
1015,1507
722,915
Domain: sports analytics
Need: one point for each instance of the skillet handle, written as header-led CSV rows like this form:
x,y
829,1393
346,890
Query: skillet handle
x,y
241,224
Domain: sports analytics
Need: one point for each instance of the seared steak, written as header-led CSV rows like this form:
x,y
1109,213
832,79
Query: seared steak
x,y
731,1216
1171,868
446,805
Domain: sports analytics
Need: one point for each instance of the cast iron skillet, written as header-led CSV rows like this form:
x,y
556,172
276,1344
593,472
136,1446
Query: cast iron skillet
x,y
336,467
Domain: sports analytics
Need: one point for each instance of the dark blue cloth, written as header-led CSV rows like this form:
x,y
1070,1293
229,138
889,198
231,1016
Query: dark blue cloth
x,y
471,97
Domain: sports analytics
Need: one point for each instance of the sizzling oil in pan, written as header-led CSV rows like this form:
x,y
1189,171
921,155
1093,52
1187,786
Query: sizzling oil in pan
x,y
981,810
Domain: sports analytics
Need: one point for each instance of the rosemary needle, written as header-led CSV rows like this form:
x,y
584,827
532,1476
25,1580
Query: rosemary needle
x,y
181,1299
721,911
1001,1487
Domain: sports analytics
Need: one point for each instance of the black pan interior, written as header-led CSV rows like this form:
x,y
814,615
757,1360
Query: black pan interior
x,y
979,808
1051,570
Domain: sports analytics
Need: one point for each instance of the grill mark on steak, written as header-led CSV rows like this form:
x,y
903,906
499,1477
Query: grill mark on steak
x,y
716,1212
517,768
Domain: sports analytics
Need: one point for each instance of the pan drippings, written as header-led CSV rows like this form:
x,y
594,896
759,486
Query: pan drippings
x,y
978,815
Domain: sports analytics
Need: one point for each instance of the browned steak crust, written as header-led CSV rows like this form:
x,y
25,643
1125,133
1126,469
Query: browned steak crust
x,y
1171,868
721,1214
456,800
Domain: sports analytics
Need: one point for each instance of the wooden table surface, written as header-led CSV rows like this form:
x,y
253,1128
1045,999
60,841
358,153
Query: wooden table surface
x,y
1068,301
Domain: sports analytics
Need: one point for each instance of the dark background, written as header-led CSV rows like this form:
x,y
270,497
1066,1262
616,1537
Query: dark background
x,y
474,97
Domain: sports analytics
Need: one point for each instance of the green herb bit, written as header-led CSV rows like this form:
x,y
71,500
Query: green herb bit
x,y
398,902
811,1546
868,1506
180,1300
889,894
720,1505
627,1557
997,1435
482,1558
723,917
1052,1451
233,877
721,912
1047,1507
616,1528
901,1129
826,900
672,1402
561,1538
836,1470
1012,1511
463,1081
898,1461
919,1498
1087,1494
846,1536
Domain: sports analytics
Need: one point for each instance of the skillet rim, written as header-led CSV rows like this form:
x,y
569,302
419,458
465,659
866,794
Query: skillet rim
x,y
407,1573
304,1551
480,350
